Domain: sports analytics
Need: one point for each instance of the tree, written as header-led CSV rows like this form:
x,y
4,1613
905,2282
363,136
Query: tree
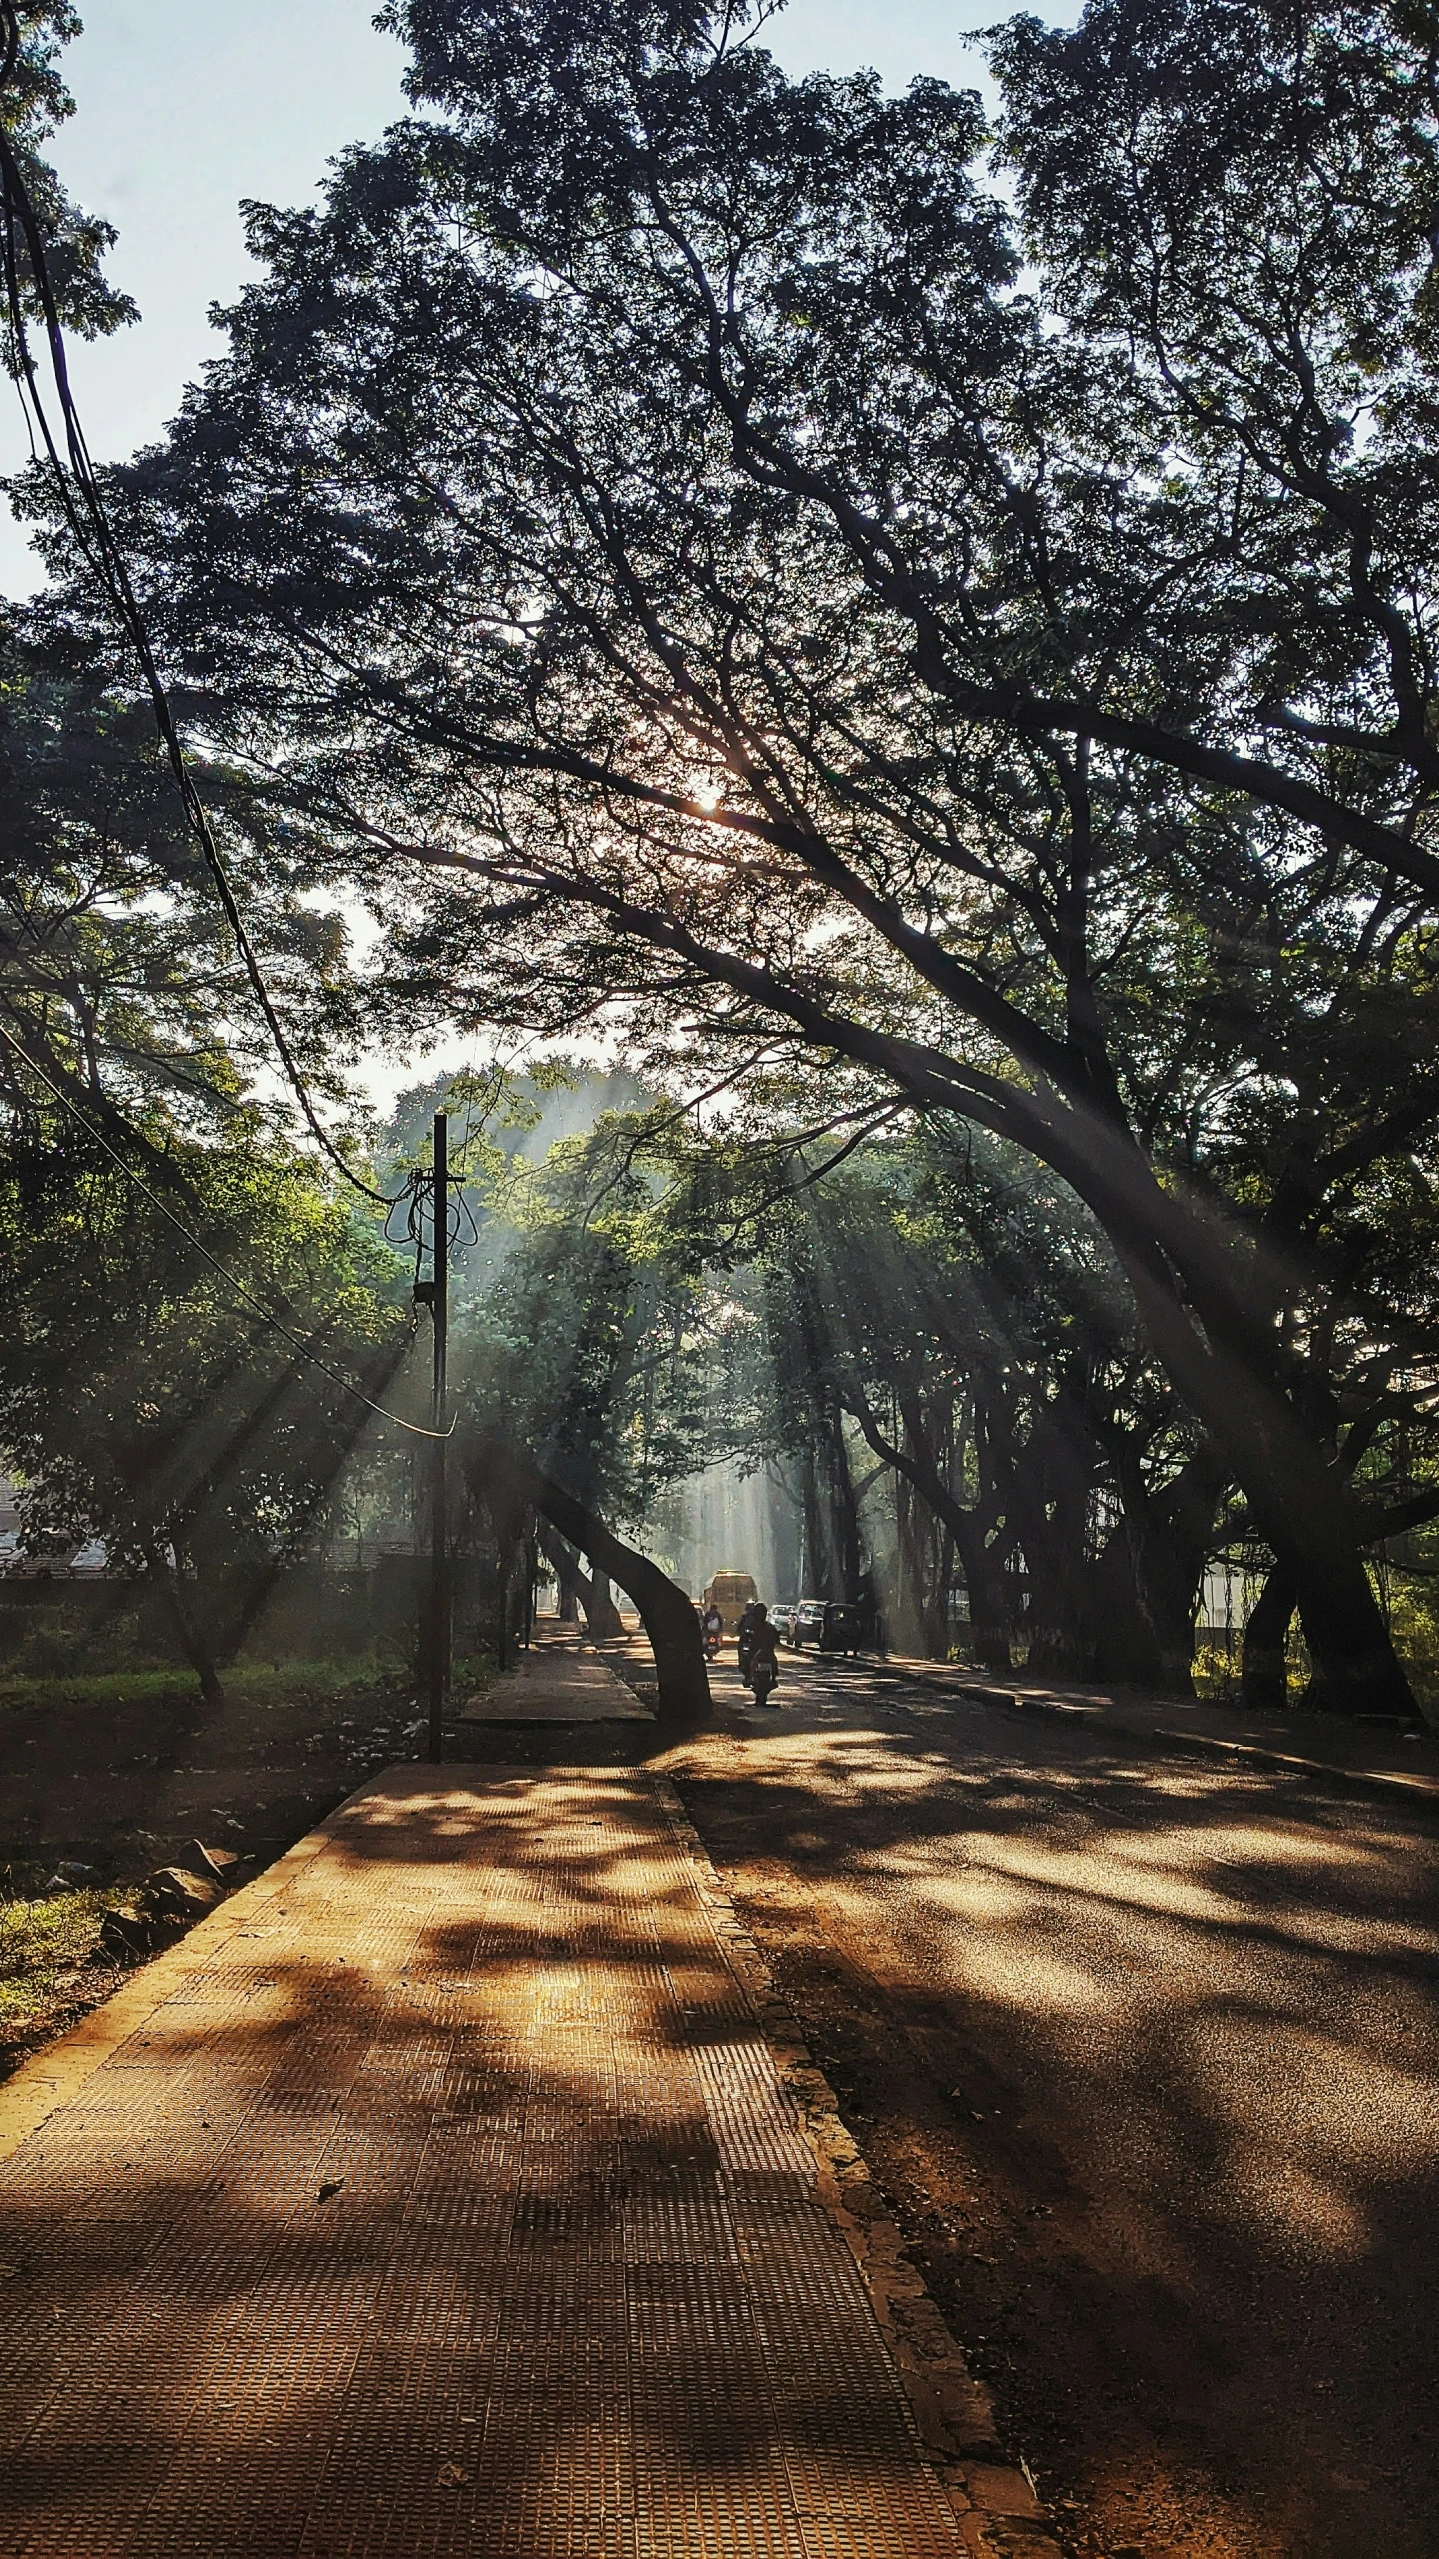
x,y
151,1406
34,102
960,1310
501,1469
146,1400
683,573
118,976
587,1346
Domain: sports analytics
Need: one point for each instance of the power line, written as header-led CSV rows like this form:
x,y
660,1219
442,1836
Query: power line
x,y
416,1429
95,535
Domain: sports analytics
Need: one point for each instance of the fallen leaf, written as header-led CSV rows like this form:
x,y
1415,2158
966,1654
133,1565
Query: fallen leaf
x,y
330,2187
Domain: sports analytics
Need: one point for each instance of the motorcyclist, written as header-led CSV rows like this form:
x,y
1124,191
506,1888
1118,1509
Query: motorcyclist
x,y
712,1626
763,1647
753,1616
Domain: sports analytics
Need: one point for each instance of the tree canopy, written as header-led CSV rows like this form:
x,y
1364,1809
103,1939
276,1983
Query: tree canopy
x,y
707,563
699,559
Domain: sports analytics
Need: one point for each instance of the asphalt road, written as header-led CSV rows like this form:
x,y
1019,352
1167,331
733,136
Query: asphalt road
x,y
1146,2054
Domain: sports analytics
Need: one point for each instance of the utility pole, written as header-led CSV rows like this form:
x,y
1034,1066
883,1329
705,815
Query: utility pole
x,y
439,1644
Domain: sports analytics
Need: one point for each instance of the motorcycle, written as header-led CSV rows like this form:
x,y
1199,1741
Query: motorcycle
x,y
713,1638
764,1671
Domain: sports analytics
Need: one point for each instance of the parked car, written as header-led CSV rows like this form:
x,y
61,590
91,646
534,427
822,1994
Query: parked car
x,y
831,1625
843,1628
809,1621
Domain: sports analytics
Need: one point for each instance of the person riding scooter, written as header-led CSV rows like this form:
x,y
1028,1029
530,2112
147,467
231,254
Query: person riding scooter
x,y
712,1629
753,1616
762,1656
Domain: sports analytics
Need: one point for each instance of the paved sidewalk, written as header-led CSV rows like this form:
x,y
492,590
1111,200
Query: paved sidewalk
x,y
448,2201
558,1681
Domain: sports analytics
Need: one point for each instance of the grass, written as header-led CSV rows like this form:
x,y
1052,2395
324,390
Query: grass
x,y
246,1684
44,1947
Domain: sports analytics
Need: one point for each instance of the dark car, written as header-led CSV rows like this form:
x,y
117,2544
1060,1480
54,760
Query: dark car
x,y
831,1625
843,1629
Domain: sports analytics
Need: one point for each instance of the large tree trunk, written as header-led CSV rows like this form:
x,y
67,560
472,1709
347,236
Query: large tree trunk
x,y
666,1612
602,1619
818,1575
1300,1502
1127,1652
982,1567
984,1581
916,1610
1167,1539
1049,1503
567,1574
579,1590
844,1510
1265,1676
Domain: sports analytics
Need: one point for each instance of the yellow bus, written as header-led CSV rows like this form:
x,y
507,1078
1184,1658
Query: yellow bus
x,y
731,1594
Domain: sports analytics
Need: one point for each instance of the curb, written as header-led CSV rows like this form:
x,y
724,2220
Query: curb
x,y
998,2513
1390,1785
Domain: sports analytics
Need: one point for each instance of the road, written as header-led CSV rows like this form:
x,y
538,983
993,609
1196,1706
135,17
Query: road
x,y
1146,2054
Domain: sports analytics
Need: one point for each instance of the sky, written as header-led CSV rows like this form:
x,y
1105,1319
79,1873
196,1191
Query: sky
x,y
183,107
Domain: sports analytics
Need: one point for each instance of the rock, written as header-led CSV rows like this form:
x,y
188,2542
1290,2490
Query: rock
x,y
127,1933
167,1903
215,1863
998,2490
177,1898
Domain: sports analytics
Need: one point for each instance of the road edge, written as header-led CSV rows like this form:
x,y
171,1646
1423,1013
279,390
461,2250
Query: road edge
x,y
1417,1792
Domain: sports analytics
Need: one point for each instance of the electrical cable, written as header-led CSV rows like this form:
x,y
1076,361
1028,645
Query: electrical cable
x,y
413,1193
101,551
415,1429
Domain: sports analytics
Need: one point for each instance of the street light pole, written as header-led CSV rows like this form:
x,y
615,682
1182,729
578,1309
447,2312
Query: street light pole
x,y
439,1644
